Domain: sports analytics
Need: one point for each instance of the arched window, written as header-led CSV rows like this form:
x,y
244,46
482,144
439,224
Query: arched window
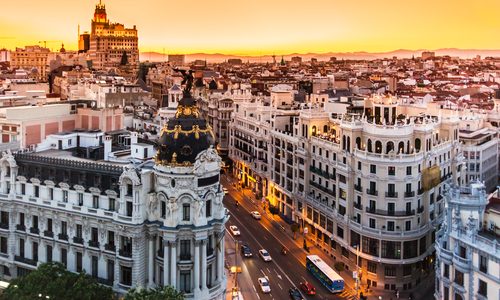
x,y
378,147
401,147
418,144
370,145
358,142
314,131
348,144
408,147
325,129
343,142
390,147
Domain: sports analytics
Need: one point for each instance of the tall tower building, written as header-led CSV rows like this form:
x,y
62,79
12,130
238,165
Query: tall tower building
x,y
109,41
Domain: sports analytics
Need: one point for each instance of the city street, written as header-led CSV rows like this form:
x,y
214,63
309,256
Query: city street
x,y
284,271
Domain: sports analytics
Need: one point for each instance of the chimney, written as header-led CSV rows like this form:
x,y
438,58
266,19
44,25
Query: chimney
x,y
133,138
107,146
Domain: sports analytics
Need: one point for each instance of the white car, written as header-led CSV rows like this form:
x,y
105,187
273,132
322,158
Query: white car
x,y
265,255
264,285
256,215
234,230
225,191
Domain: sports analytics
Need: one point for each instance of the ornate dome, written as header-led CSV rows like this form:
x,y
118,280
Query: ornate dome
x,y
184,136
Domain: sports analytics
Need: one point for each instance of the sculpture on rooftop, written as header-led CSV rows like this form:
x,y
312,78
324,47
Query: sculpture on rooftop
x,y
188,81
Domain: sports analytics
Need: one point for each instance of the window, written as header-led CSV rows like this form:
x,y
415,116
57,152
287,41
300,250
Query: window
x,y
483,264
446,293
408,170
185,250
373,169
21,219
95,201
408,225
185,212
391,171
34,223
185,281
390,271
208,208
65,196
23,188
446,271
407,270
126,275
94,235
21,247
340,232
79,231
372,267
51,194
359,165
64,257
111,270
64,228
111,237
79,262
48,253
483,288
112,204
37,191
4,219
49,225
3,245
95,266
459,278
80,199
372,223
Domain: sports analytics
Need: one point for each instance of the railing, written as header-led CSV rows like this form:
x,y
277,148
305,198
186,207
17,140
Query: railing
x,y
372,192
25,260
94,244
358,188
34,230
104,281
62,236
391,194
125,253
110,247
324,189
185,257
48,233
4,225
420,209
78,240
358,206
390,212
20,227
409,194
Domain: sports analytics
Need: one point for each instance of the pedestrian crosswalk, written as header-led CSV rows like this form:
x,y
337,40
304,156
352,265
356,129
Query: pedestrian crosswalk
x,y
346,294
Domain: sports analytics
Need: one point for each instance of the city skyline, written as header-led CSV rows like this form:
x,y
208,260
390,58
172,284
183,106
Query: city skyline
x,y
258,29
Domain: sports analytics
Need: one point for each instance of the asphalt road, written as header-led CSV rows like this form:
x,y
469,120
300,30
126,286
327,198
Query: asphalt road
x,y
284,271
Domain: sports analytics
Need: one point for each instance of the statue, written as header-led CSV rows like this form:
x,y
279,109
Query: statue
x,y
188,81
153,205
171,210
199,209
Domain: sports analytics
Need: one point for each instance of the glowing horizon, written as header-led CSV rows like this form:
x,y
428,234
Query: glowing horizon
x,y
259,28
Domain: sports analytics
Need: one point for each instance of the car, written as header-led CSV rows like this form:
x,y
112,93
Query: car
x,y
225,191
256,215
295,294
264,284
265,255
245,251
234,230
308,288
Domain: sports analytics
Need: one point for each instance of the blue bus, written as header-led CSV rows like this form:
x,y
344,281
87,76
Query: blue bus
x,y
325,274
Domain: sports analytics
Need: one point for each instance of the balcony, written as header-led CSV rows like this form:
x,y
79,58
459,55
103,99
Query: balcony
x,y
104,281
20,227
409,194
393,213
48,233
78,240
372,192
34,230
391,194
420,209
125,253
63,236
358,188
463,264
4,225
110,247
358,206
160,252
25,260
185,257
94,244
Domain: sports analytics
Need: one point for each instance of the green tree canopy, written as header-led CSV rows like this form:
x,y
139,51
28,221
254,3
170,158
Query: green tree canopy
x,y
54,281
160,293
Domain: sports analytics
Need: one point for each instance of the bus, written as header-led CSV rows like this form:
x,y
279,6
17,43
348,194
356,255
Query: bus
x,y
325,274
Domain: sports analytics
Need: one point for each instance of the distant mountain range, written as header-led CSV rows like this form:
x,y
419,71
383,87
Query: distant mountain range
x,y
401,53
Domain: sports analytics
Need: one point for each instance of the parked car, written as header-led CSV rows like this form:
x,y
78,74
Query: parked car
x,y
256,215
308,288
234,230
265,255
295,294
245,251
264,285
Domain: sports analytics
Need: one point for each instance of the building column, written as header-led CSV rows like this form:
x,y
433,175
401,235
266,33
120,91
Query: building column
x,y
173,264
151,258
165,263
197,265
204,265
220,260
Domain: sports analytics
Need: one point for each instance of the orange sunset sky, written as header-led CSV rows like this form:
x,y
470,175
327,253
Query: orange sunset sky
x,y
257,27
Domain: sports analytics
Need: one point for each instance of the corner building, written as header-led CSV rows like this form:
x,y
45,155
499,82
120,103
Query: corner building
x,y
149,223
371,182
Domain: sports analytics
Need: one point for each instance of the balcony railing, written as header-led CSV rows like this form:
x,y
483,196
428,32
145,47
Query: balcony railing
x,y
420,209
4,225
110,247
25,260
358,188
48,233
391,194
125,253
358,206
395,213
322,188
409,194
94,244
20,227
78,240
63,236
185,257
372,192
34,230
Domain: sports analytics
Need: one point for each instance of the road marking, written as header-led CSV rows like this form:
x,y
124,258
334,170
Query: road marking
x,y
303,278
279,276
265,237
268,270
263,272
279,285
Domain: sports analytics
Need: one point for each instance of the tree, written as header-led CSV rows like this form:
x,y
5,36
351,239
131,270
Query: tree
x,y
295,228
159,293
54,281
124,60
